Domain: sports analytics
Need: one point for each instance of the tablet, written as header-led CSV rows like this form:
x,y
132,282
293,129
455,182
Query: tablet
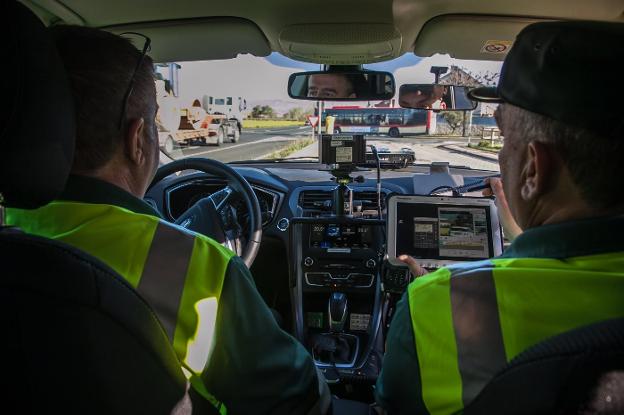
x,y
441,230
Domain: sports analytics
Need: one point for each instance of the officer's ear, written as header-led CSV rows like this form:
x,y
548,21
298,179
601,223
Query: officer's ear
x,y
134,143
537,173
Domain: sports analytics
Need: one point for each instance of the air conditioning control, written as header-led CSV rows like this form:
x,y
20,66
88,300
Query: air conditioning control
x,y
371,263
308,262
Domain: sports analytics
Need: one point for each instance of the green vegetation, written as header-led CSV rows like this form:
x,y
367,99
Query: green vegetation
x,y
291,148
262,111
270,123
454,119
298,114
488,146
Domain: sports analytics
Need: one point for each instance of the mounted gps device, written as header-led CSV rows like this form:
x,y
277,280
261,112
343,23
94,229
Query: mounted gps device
x,y
441,230
342,149
342,153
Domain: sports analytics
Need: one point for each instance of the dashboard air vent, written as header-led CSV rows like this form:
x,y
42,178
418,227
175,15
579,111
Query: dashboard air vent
x,y
315,202
366,202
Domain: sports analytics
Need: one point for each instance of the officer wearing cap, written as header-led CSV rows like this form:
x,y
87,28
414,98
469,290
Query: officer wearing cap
x,y
457,327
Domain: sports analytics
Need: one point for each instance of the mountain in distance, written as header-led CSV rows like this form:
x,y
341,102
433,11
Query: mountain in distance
x,y
282,106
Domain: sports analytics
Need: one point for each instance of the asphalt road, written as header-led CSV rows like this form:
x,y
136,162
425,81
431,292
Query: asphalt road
x,y
429,150
254,144
260,143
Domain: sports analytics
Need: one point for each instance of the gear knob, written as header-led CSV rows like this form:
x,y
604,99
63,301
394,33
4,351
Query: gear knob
x,y
337,312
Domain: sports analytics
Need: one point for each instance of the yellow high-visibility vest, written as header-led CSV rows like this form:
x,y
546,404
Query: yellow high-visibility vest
x,y
178,272
470,320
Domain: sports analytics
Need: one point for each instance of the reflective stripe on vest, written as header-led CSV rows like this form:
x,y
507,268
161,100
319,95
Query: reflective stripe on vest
x,y
480,348
179,273
165,272
470,320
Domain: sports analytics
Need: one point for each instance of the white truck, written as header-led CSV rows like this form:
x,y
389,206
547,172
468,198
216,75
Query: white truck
x,y
185,125
231,107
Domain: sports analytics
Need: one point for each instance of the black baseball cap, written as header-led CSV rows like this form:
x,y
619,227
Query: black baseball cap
x,y
568,71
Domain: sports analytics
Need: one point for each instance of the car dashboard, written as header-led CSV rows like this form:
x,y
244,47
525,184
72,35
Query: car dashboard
x,y
287,189
311,262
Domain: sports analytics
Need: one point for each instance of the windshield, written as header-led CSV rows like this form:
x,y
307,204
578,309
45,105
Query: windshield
x,y
239,110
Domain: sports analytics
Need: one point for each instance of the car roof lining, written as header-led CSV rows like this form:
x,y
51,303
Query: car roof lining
x,y
53,12
453,34
425,27
235,36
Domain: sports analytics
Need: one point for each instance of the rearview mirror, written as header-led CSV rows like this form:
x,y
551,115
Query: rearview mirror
x,y
341,86
435,96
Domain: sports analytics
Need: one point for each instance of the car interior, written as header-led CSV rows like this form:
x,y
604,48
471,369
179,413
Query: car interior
x,y
80,338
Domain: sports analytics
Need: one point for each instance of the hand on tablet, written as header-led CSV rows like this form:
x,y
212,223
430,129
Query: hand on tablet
x,y
510,227
415,269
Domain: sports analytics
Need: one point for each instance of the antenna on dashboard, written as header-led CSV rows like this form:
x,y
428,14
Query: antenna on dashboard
x,y
376,155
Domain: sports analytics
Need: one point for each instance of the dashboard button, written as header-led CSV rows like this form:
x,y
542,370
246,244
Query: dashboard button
x,y
371,263
308,262
283,224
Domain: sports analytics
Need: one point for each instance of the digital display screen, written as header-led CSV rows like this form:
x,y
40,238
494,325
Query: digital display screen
x,y
443,231
340,236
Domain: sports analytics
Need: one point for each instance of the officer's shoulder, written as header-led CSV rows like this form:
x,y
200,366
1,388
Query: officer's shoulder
x,y
199,239
442,275
470,268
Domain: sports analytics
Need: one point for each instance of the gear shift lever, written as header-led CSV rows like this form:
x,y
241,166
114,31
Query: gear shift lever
x,y
336,347
337,312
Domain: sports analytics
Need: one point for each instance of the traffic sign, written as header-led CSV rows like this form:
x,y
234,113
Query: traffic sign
x,y
313,120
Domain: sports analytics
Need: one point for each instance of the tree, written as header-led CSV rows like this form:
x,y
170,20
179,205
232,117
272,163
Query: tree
x,y
268,111
255,111
297,114
262,111
462,76
454,119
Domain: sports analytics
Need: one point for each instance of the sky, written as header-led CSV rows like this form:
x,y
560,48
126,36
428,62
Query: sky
x,y
261,79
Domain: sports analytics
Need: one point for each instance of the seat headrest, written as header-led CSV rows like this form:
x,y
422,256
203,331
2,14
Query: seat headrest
x,y
37,129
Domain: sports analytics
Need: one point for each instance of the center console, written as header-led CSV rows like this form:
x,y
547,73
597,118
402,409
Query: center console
x,y
336,293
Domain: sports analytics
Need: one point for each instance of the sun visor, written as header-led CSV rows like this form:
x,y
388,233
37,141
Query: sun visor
x,y
204,39
341,44
470,37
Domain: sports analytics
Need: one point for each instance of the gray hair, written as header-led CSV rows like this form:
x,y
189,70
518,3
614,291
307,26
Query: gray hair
x,y
592,158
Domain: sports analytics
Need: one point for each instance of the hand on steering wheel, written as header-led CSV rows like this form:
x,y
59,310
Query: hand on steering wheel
x,y
214,215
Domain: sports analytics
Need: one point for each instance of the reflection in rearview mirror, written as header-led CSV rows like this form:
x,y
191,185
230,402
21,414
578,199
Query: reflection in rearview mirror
x,y
341,86
435,96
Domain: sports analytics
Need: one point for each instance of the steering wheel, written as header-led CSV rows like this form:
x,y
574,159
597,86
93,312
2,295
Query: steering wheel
x,y
214,216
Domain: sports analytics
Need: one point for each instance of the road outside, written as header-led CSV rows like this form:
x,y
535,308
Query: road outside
x,y
254,143
259,143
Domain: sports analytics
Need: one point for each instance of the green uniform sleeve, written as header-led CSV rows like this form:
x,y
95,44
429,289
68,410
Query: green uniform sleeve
x,y
398,388
255,367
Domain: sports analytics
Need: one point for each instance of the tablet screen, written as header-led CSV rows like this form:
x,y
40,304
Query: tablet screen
x,y
443,231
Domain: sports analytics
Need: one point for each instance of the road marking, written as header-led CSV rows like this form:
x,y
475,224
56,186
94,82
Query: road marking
x,y
264,140
255,131
290,130
268,154
270,130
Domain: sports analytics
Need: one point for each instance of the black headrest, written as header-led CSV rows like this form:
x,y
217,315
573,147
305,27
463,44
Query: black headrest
x,y
37,129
